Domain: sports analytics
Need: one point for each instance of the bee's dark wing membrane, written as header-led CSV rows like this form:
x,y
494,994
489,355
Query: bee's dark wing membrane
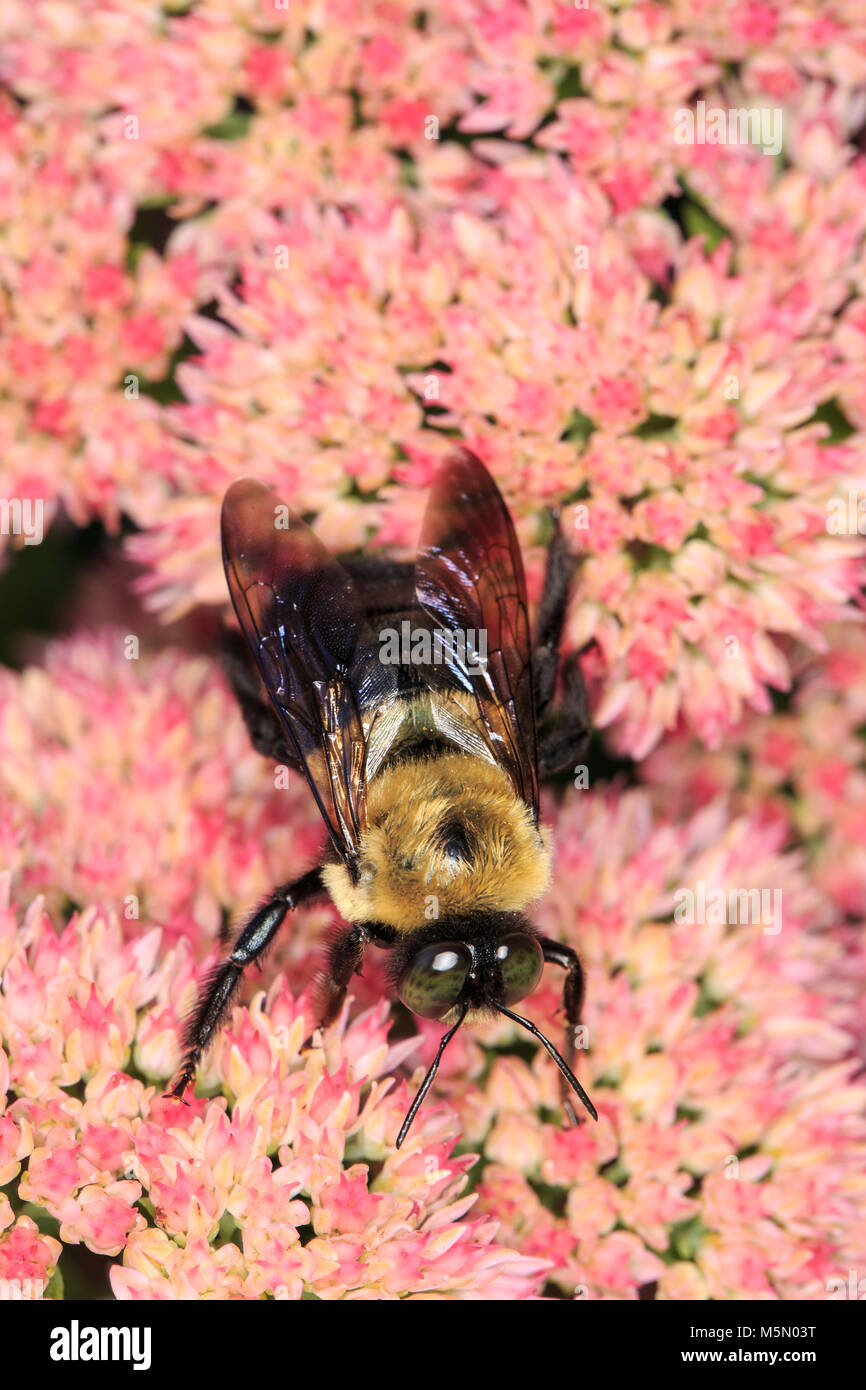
x,y
299,610
469,578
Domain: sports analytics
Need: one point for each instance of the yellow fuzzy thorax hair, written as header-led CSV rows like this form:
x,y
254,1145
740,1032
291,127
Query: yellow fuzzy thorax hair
x,y
409,877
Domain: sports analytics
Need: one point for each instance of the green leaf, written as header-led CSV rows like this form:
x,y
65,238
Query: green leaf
x,y
655,426
831,413
686,1237
231,127
579,427
569,85
698,222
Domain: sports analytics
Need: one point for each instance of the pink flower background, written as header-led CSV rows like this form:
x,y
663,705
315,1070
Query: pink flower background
x,y
315,244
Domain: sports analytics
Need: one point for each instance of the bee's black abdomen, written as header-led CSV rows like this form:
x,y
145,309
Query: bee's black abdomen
x,y
387,587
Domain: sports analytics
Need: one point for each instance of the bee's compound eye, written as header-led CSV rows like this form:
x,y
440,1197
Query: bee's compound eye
x,y
521,963
431,983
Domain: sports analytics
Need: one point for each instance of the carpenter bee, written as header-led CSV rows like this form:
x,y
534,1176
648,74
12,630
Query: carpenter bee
x,y
409,698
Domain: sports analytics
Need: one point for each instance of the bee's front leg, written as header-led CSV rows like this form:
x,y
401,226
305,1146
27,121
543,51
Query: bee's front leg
x,y
344,960
219,987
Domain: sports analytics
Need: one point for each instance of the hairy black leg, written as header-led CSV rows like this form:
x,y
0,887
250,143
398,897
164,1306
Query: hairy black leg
x,y
219,987
564,744
550,619
345,959
555,953
263,723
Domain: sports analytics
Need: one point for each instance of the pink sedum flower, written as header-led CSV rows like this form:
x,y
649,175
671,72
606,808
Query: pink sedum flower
x,y
369,230
705,1042
316,245
26,1256
130,783
722,1059
804,766
280,1155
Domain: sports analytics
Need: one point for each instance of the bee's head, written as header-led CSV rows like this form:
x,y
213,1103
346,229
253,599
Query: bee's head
x,y
480,961
473,965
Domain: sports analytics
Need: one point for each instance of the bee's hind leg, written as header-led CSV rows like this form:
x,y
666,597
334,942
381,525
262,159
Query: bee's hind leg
x,y
218,989
556,953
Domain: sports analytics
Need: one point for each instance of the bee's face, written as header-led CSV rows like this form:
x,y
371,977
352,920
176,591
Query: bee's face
x,y
444,974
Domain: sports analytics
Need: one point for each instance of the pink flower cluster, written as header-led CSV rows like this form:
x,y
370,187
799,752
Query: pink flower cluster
x,y
723,1061
806,766
722,1056
315,244
275,1199
129,784
343,232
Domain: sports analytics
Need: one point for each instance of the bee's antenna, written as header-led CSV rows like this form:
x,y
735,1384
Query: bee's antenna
x,y
563,1065
428,1079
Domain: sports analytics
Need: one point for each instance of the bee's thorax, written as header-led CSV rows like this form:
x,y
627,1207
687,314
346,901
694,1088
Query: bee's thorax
x,y
445,835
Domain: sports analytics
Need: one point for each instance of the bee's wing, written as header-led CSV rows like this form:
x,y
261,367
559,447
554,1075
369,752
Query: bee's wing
x,y
300,611
469,578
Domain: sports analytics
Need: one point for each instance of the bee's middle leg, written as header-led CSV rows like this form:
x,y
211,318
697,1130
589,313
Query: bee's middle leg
x,y
219,988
